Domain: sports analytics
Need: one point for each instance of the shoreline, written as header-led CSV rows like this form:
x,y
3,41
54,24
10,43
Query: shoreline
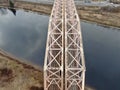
x,y
20,60
92,14
16,73
100,16
18,68
29,66
99,24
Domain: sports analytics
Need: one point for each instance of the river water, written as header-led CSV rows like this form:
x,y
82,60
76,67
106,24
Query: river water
x,y
24,35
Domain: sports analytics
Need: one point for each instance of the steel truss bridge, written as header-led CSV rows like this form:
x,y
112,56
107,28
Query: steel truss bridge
x,y
64,65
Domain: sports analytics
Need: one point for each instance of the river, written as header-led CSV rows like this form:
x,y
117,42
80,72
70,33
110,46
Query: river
x,y
24,35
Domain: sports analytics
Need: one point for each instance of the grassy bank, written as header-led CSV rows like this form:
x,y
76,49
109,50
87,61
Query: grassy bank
x,y
109,16
18,75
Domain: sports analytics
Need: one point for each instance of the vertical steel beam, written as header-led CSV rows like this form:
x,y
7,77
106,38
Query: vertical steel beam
x,y
53,65
64,66
74,56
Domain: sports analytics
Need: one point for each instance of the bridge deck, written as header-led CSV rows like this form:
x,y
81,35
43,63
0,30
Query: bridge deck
x,y
64,67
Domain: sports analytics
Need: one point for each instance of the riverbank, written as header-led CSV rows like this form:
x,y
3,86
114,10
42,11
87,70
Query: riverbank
x,y
105,16
89,13
16,74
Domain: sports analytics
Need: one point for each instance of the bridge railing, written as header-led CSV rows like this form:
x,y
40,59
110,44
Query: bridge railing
x,y
74,55
53,66
64,67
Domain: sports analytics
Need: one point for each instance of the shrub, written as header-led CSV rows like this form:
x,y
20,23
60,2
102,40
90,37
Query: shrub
x,y
36,88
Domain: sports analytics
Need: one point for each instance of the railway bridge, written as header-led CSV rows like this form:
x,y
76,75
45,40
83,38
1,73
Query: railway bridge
x,y
64,65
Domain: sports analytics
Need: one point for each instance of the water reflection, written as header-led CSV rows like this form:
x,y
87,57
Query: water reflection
x,y
102,51
24,35
13,10
3,11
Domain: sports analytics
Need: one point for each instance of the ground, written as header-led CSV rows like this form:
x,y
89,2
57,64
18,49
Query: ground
x,y
107,16
16,75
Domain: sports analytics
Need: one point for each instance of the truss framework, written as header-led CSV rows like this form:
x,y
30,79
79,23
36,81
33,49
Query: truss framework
x,y
64,66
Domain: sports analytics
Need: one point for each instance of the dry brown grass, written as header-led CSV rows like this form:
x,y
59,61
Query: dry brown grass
x,y
105,15
16,75
111,9
95,14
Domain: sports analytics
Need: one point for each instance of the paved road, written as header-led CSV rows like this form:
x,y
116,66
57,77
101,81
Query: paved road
x,y
104,3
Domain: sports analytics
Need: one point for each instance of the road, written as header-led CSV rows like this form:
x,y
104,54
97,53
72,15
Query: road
x,y
103,3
